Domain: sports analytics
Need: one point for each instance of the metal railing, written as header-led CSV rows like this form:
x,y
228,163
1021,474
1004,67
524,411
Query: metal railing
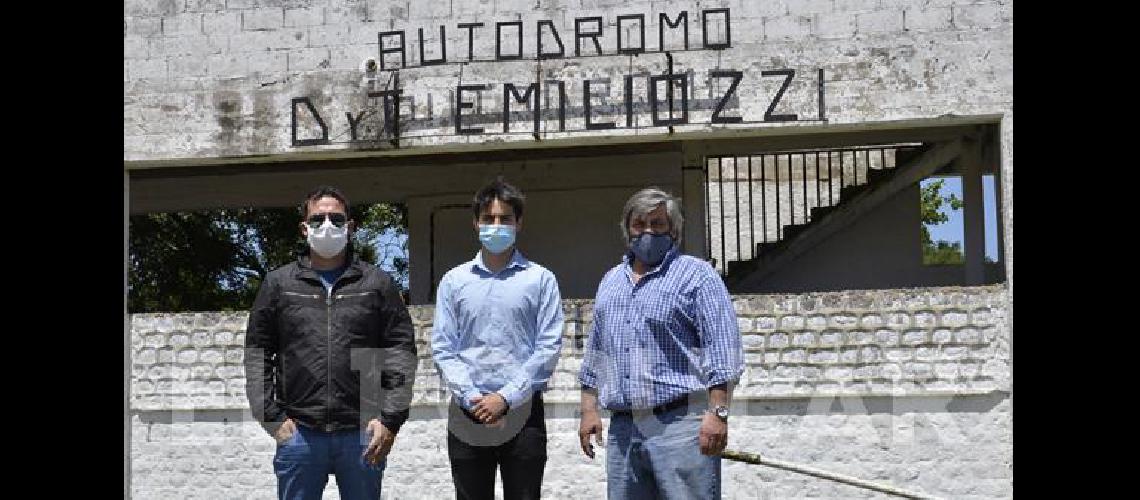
x,y
778,190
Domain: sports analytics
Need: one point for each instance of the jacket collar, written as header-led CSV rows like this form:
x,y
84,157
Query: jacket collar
x,y
353,269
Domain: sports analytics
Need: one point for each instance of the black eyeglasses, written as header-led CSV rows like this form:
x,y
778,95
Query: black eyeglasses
x,y
337,219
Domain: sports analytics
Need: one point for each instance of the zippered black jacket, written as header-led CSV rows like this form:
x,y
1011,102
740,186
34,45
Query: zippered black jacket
x,y
329,361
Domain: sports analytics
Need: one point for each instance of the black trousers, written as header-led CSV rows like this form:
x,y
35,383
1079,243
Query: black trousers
x,y
518,450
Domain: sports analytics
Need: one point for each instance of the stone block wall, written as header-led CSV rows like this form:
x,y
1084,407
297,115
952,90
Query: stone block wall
x,y
909,387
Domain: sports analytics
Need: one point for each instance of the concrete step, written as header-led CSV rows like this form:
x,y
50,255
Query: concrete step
x,y
818,213
765,248
849,192
875,176
792,230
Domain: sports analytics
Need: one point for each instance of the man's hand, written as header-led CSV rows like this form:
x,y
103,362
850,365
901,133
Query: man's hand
x,y
489,407
713,435
285,431
591,423
380,444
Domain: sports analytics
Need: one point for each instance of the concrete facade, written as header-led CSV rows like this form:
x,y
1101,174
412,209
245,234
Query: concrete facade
x,y
570,223
210,79
910,387
215,82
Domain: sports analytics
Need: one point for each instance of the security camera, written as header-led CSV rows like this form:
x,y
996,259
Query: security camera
x,y
369,66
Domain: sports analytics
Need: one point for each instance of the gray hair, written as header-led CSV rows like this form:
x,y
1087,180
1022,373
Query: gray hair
x,y
647,200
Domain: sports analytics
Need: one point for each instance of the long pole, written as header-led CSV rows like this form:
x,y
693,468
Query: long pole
x,y
754,458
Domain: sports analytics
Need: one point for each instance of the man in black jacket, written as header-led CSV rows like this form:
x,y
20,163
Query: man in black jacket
x,y
330,359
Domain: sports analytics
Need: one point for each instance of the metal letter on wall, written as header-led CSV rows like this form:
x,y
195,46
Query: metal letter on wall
x,y
640,24
822,108
669,81
787,74
509,90
390,100
736,77
554,31
442,49
353,123
628,100
579,35
324,129
663,20
389,50
586,103
499,40
561,85
460,105
705,29
470,37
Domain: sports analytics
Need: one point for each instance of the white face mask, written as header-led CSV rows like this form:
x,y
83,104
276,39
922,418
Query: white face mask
x,y
328,240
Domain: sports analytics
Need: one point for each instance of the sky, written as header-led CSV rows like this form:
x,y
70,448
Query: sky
x,y
952,230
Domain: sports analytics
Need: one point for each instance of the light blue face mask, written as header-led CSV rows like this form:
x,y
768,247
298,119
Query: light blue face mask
x,y
496,238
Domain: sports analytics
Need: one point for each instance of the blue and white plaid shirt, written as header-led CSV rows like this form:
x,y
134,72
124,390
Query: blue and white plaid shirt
x,y
671,334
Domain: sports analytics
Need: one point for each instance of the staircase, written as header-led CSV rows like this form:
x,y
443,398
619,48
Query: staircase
x,y
742,244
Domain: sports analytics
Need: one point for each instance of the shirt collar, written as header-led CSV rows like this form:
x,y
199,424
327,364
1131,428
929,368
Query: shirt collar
x,y
627,261
517,260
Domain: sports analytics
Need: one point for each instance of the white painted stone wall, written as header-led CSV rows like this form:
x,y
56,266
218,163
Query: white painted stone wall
x,y
213,78
908,387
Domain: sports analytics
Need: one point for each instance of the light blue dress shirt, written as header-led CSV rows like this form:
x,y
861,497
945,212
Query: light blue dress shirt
x,y
497,332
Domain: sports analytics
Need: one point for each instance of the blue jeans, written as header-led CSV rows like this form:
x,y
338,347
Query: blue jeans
x,y
658,456
304,462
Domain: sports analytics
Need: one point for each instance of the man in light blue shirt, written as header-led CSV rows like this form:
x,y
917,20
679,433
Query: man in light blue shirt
x,y
495,338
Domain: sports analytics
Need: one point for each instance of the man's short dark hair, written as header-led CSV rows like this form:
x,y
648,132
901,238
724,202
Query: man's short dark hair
x,y
322,192
501,190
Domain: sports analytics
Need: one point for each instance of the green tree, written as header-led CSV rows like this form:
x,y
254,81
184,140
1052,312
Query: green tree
x,y
216,259
941,252
381,234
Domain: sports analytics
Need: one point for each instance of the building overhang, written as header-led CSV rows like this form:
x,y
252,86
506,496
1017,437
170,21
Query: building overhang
x,y
279,179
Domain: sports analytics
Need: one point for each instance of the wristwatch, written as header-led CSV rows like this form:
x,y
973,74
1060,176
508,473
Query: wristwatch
x,y
721,412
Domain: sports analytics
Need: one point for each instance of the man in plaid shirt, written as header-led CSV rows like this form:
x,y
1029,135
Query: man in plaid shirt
x,y
662,357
